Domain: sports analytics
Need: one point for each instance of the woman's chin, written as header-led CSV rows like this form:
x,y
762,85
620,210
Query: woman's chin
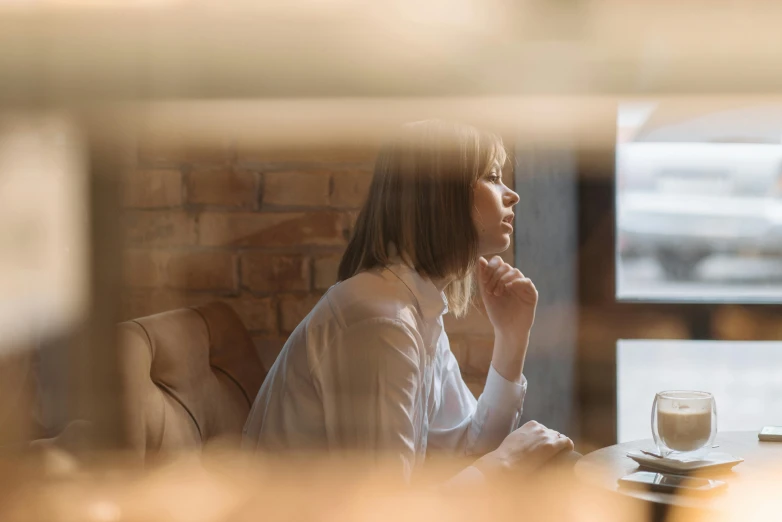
x,y
503,242
498,246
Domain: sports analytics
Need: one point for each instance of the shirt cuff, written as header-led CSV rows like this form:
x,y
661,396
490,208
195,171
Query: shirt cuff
x,y
498,411
504,395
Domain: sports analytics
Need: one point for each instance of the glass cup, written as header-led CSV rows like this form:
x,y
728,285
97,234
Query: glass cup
x,y
684,423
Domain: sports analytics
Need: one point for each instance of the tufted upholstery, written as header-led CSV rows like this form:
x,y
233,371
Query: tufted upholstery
x,y
189,375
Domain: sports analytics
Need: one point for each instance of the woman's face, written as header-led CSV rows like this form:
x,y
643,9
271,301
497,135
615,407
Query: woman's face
x,y
493,212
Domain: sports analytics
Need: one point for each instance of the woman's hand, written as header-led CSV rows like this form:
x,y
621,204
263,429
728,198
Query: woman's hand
x,y
526,449
510,300
509,297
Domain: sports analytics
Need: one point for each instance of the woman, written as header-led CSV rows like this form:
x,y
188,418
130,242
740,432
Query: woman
x,y
370,370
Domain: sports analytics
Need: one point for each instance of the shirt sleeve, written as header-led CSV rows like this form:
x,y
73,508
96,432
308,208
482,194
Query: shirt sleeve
x,y
369,386
465,426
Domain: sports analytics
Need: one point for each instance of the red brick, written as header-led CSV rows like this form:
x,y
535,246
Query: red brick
x,y
294,308
202,271
143,268
227,186
259,315
152,188
350,188
266,273
304,189
159,228
272,229
151,153
268,348
137,303
350,219
252,150
326,269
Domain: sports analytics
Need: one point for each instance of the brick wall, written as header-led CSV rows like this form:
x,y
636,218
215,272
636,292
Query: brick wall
x,y
261,231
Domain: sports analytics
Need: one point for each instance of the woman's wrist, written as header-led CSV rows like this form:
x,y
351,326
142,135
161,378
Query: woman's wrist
x,y
491,465
509,354
515,339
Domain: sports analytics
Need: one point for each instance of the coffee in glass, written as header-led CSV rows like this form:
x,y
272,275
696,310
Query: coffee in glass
x,y
684,423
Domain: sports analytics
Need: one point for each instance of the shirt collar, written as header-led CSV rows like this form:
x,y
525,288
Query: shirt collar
x,y
431,302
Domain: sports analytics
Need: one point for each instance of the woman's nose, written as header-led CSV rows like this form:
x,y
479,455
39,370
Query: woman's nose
x,y
511,198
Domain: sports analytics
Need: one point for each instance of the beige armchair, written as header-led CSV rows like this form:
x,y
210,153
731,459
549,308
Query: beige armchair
x,y
190,377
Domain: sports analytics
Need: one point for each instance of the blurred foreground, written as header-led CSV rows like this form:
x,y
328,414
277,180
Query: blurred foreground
x,y
221,486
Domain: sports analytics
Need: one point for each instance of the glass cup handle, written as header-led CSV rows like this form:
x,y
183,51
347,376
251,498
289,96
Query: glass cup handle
x,y
713,434
655,433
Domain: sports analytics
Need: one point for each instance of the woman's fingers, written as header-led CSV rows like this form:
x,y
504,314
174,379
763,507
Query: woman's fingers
x,y
532,446
510,276
563,443
523,288
497,277
502,284
496,274
493,273
557,444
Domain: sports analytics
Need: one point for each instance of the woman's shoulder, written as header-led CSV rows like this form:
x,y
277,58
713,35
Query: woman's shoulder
x,y
369,295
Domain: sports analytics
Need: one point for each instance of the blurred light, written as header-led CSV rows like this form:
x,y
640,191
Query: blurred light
x,y
44,225
105,511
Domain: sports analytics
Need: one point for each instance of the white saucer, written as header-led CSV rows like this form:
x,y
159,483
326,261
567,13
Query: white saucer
x,y
715,461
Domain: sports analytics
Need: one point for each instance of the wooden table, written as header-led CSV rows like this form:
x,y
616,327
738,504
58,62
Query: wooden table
x,y
605,466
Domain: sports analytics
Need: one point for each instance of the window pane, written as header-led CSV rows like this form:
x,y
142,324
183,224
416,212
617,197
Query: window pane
x,y
743,376
699,202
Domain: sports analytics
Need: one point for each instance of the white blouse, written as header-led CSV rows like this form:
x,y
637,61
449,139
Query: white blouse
x,y
370,369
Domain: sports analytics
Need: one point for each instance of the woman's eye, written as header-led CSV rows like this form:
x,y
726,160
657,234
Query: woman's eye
x,y
494,178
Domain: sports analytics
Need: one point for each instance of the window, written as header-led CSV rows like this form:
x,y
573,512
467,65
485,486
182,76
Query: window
x,y
680,253
743,376
699,202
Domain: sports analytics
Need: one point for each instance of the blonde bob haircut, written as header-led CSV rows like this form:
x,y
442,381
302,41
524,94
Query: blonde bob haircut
x,y
420,204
